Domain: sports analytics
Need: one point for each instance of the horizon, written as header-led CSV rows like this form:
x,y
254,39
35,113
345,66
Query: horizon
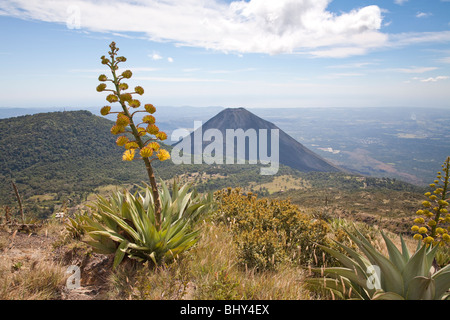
x,y
255,54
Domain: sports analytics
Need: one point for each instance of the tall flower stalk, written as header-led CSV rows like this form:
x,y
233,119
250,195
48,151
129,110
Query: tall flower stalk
x,y
433,224
145,134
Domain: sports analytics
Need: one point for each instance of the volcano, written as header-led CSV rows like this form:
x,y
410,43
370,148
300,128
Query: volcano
x,y
291,152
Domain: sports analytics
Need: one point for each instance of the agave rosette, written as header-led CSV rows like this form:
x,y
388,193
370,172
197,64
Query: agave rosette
x,y
400,276
125,224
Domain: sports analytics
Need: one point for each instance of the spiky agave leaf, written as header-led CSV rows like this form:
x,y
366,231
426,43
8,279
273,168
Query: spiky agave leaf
x,y
402,276
125,223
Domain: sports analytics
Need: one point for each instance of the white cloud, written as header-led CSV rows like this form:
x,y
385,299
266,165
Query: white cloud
x,y
423,14
438,78
412,38
255,26
444,60
333,76
355,65
414,69
251,26
430,79
155,56
170,59
400,2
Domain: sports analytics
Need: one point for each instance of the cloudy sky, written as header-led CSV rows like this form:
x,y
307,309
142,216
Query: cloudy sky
x,y
254,53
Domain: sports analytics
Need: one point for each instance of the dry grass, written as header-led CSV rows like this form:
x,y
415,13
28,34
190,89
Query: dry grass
x,y
27,271
209,271
34,279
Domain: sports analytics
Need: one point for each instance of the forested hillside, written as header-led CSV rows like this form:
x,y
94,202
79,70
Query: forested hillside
x,y
60,152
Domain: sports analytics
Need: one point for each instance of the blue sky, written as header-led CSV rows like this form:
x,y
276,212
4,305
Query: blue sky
x,y
257,53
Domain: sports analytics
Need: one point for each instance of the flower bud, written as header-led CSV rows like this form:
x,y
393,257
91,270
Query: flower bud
x,y
122,120
419,220
105,61
102,77
417,237
101,87
117,129
139,90
443,203
149,119
121,141
141,132
431,223
105,110
131,145
134,103
163,155
428,240
150,108
446,237
128,155
127,74
111,98
152,129
154,145
146,152
126,97
426,204
161,135
123,86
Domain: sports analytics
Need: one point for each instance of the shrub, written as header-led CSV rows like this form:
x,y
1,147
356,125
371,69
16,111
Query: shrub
x,y
268,232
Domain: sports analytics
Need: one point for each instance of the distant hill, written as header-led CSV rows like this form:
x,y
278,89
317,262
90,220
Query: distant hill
x,y
69,152
291,152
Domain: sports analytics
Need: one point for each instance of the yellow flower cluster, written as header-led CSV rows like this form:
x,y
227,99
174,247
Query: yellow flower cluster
x,y
163,155
128,155
143,132
433,224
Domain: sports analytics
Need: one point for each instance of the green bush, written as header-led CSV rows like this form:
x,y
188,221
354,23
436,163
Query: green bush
x,y
269,232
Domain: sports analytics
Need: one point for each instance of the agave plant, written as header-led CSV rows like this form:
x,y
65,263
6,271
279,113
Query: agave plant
x,y
125,223
371,275
74,226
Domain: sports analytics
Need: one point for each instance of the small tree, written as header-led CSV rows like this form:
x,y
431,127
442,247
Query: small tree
x,y
145,134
